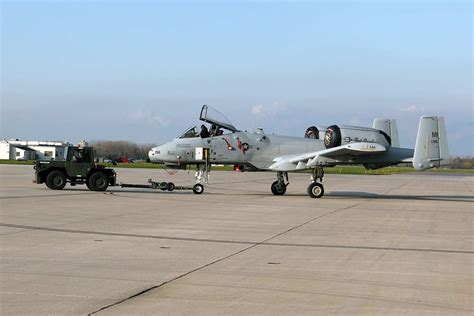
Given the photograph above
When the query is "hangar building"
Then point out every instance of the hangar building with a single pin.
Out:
(31, 150)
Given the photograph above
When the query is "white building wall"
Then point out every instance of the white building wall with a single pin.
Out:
(22, 154)
(5, 150)
(46, 150)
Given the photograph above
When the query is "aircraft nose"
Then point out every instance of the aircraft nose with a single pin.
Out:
(155, 154)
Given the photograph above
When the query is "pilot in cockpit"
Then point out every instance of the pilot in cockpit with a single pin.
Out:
(213, 130)
(204, 132)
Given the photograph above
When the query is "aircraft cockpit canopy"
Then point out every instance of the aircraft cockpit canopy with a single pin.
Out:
(212, 116)
(191, 132)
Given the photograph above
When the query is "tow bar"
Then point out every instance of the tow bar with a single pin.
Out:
(165, 186)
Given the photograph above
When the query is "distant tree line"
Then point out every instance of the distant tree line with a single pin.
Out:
(113, 149)
(462, 163)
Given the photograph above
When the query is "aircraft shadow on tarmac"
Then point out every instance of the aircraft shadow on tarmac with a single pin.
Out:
(367, 195)
(333, 194)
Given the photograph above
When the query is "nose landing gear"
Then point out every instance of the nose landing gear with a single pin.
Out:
(198, 188)
(202, 173)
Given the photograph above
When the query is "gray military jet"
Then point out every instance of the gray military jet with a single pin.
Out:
(374, 148)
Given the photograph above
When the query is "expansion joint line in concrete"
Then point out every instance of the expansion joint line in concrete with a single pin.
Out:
(223, 258)
(27, 228)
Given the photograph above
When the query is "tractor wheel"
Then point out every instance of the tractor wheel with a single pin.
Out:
(98, 181)
(56, 180)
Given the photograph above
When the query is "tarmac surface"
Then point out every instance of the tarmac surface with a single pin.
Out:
(398, 244)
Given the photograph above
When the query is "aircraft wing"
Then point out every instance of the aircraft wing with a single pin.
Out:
(313, 159)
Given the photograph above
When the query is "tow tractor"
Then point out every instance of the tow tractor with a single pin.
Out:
(79, 168)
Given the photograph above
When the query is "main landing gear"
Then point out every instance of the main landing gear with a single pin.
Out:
(279, 187)
(315, 189)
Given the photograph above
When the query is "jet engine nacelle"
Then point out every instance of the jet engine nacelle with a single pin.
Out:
(312, 132)
(315, 132)
(336, 135)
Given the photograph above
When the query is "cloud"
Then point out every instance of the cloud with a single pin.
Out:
(275, 109)
(279, 106)
(355, 120)
(258, 109)
(410, 109)
(150, 117)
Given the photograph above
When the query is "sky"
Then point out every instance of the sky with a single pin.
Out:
(141, 70)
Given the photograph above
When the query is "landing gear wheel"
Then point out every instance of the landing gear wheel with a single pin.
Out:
(315, 190)
(163, 186)
(198, 188)
(56, 180)
(278, 188)
(170, 186)
(98, 181)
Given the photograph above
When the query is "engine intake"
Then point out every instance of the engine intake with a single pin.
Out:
(332, 137)
(312, 132)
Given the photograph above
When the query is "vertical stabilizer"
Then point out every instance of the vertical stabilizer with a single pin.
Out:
(431, 149)
(389, 127)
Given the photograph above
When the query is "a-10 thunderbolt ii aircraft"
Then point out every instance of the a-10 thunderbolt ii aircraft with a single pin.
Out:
(373, 148)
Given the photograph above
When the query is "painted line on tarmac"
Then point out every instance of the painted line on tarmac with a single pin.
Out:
(239, 242)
